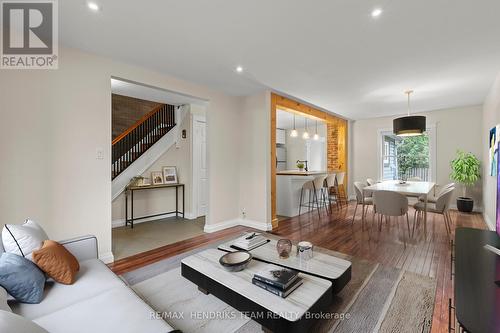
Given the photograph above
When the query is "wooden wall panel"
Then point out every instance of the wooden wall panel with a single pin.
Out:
(336, 140)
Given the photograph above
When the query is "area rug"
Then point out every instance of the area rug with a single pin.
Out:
(377, 299)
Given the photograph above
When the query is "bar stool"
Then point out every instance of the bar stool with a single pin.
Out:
(341, 188)
(331, 183)
(316, 194)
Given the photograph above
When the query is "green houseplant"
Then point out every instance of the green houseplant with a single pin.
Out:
(300, 165)
(465, 169)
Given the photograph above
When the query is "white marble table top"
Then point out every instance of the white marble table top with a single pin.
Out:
(291, 308)
(409, 188)
(321, 264)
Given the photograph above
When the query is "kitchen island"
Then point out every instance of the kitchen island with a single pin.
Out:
(288, 186)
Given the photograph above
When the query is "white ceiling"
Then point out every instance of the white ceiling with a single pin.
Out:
(331, 53)
(148, 93)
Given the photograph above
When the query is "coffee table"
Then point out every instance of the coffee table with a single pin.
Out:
(295, 313)
(323, 265)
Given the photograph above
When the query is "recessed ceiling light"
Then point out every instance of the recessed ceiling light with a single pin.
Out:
(376, 12)
(93, 6)
(239, 69)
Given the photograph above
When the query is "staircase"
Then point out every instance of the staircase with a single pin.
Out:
(137, 139)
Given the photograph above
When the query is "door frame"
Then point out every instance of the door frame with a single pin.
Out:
(195, 168)
(337, 155)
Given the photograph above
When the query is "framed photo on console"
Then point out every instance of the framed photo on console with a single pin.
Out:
(170, 175)
(157, 177)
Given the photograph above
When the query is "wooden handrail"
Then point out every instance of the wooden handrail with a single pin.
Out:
(137, 124)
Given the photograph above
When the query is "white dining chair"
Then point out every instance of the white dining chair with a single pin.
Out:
(433, 198)
(441, 206)
(414, 179)
(361, 200)
(391, 204)
(371, 181)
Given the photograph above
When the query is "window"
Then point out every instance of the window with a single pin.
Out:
(407, 157)
(389, 165)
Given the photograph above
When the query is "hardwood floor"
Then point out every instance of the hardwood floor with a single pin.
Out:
(430, 257)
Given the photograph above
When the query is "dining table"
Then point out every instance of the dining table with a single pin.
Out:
(420, 189)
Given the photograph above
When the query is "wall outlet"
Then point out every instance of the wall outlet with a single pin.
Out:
(243, 213)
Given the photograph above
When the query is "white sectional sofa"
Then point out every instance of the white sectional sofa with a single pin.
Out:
(97, 302)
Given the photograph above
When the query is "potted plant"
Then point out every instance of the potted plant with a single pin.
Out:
(465, 169)
(137, 181)
(300, 165)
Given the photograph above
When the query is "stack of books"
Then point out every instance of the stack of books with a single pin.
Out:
(250, 241)
(278, 280)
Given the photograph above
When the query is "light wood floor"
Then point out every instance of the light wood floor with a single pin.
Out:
(430, 256)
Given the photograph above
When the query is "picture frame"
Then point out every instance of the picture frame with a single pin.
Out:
(170, 175)
(494, 140)
(157, 178)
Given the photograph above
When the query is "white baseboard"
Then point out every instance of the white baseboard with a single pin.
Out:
(190, 216)
(234, 222)
(489, 222)
(121, 222)
(221, 225)
(256, 224)
(107, 257)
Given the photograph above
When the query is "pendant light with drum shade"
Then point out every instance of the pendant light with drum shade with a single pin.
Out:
(294, 133)
(409, 125)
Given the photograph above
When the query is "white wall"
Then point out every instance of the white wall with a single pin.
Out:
(255, 169)
(457, 128)
(491, 117)
(52, 121)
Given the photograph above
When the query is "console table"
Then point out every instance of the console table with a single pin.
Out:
(477, 297)
(129, 191)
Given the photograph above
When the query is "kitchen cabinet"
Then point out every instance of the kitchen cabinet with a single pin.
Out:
(280, 136)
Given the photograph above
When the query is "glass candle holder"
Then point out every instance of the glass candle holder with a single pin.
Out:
(284, 247)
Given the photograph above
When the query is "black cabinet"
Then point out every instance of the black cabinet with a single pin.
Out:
(477, 297)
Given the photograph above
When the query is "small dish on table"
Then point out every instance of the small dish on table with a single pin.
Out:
(235, 261)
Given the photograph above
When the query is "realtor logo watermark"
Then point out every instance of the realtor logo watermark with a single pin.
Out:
(29, 34)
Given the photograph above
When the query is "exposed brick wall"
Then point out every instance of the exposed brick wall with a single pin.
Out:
(332, 137)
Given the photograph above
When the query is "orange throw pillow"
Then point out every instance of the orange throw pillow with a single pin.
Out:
(57, 262)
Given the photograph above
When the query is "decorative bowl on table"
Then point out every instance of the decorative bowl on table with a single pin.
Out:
(235, 261)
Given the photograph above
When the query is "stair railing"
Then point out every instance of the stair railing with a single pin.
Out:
(138, 138)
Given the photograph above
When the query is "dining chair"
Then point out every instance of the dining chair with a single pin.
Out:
(361, 200)
(371, 181)
(316, 194)
(331, 183)
(388, 204)
(414, 179)
(433, 198)
(441, 206)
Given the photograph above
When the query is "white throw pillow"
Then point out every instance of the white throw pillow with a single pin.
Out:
(23, 239)
(3, 300)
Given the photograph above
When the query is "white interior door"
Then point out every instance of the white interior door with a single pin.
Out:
(200, 166)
